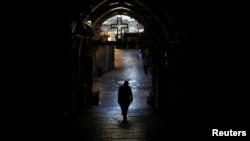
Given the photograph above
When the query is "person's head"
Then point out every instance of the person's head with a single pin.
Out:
(126, 82)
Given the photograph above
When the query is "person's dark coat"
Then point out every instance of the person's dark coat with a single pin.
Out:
(125, 95)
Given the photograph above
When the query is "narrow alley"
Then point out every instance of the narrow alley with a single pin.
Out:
(65, 62)
(104, 122)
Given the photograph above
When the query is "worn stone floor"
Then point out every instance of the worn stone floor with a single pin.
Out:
(103, 122)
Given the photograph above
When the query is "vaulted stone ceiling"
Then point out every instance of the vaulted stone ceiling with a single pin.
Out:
(150, 13)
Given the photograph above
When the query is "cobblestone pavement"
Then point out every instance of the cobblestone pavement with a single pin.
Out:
(104, 122)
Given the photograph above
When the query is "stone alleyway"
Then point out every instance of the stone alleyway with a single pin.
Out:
(104, 122)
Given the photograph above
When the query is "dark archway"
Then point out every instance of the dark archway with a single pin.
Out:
(162, 37)
(43, 60)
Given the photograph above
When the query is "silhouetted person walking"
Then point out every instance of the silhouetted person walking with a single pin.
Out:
(125, 98)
